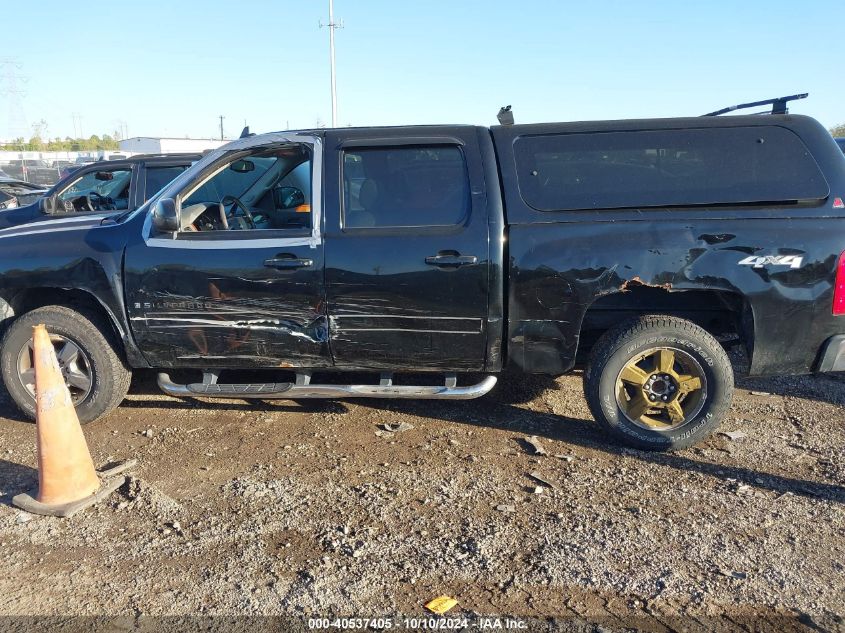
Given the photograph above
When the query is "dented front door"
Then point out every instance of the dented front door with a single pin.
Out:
(229, 303)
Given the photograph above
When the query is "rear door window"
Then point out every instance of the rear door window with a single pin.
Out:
(657, 168)
(158, 177)
(404, 186)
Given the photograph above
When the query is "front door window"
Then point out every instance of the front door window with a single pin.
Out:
(260, 190)
(101, 190)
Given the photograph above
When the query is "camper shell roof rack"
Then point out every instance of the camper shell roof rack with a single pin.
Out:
(778, 105)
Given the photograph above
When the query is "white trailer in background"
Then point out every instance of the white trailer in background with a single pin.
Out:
(163, 145)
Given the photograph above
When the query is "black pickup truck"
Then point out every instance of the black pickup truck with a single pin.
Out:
(636, 249)
(36, 171)
(104, 187)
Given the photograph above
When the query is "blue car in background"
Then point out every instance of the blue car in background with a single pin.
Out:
(105, 187)
(17, 193)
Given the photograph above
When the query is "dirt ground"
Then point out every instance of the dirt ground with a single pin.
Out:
(313, 509)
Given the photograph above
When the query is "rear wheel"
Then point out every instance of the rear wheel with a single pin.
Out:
(659, 382)
(95, 375)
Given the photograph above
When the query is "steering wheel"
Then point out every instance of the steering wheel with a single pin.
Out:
(237, 203)
(104, 202)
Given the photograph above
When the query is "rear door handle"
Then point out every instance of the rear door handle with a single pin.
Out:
(451, 259)
(287, 263)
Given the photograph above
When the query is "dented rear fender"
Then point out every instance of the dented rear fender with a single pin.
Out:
(782, 271)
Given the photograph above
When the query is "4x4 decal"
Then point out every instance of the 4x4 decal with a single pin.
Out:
(758, 261)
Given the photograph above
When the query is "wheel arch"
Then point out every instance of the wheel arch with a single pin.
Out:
(26, 300)
(727, 315)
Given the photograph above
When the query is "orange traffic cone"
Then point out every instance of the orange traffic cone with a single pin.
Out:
(67, 480)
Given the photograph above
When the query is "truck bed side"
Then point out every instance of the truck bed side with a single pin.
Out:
(764, 271)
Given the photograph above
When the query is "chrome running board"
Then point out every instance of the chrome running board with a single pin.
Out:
(294, 391)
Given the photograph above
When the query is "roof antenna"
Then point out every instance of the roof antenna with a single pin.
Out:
(245, 132)
(505, 116)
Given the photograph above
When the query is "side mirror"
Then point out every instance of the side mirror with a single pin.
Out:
(48, 205)
(288, 197)
(165, 218)
(242, 166)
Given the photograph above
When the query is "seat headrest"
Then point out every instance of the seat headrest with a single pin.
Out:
(369, 194)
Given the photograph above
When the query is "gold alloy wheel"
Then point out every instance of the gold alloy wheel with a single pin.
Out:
(661, 389)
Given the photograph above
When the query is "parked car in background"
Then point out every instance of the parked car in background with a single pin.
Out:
(103, 187)
(80, 162)
(17, 193)
(32, 170)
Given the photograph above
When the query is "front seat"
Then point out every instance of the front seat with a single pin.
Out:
(367, 199)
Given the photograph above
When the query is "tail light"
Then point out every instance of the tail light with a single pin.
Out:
(839, 288)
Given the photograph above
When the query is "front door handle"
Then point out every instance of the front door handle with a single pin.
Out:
(451, 259)
(283, 262)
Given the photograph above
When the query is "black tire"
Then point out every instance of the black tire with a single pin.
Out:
(109, 375)
(622, 345)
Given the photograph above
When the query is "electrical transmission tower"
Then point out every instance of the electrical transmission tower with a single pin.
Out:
(77, 124)
(10, 86)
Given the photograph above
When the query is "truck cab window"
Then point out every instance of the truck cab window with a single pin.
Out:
(101, 190)
(404, 186)
(265, 189)
(158, 177)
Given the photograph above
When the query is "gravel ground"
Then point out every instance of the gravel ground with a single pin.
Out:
(316, 509)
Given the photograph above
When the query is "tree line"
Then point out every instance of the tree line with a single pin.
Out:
(67, 144)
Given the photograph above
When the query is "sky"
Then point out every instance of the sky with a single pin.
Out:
(171, 68)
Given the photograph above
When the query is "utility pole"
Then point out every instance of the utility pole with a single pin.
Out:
(221, 126)
(332, 25)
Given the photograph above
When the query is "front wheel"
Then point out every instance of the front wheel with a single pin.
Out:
(659, 382)
(95, 375)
